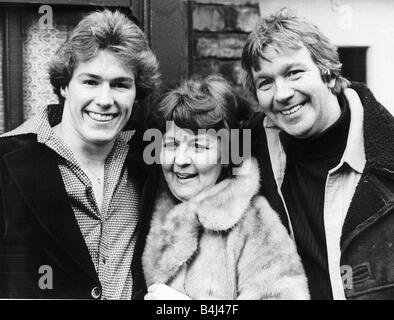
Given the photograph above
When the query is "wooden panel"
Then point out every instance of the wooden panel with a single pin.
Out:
(141, 10)
(2, 129)
(354, 63)
(12, 67)
(170, 38)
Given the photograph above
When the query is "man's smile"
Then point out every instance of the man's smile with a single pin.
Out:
(101, 117)
(293, 109)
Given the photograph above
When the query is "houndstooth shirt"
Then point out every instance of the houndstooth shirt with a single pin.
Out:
(110, 234)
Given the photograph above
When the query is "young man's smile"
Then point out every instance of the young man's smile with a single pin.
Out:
(101, 117)
(98, 99)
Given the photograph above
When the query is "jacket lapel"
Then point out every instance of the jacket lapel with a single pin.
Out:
(268, 186)
(35, 171)
(147, 182)
(379, 150)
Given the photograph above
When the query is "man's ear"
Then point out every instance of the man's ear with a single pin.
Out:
(331, 83)
(64, 92)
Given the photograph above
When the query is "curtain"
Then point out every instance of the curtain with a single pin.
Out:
(39, 44)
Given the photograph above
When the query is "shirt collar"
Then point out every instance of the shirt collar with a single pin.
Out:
(268, 123)
(37, 124)
(354, 154)
(41, 124)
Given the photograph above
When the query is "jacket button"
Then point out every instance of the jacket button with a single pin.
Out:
(96, 293)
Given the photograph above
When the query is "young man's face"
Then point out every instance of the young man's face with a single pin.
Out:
(292, 94)
(98, 99)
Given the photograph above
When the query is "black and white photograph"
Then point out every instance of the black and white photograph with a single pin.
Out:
(181, 152)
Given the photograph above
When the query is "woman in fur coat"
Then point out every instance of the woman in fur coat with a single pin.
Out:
(212, 236)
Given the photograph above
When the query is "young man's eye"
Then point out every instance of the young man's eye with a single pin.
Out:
(121, 85)
(90, 82)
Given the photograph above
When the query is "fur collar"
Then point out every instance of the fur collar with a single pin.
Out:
(378, 130)
(175, 227)
(220, 207)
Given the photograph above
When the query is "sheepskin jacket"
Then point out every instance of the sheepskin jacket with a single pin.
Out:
(367, 250)
(225, 243)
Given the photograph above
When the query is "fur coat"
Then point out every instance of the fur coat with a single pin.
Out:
(225, 243)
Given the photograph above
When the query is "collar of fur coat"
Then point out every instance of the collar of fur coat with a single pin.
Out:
(173, 237)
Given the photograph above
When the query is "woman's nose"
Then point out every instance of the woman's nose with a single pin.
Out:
(182, 157)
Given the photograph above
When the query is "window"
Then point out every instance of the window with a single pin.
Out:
(354, 63)
(26, 46)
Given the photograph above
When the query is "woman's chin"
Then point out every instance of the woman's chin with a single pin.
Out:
(184, 195)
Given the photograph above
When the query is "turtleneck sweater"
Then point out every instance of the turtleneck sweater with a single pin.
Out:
(303, 188)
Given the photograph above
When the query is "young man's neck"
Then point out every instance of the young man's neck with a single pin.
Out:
(83, 150)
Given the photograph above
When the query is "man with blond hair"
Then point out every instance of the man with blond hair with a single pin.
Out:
(326, 153)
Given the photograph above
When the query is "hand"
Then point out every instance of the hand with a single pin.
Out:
(160, 291)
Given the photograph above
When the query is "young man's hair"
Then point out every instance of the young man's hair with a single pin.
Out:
(283, 31)
(111, 31)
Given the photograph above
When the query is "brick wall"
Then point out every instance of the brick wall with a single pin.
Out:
(219, 33)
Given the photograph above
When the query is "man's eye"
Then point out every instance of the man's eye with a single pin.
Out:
(90, 82)
(264, 84)
(121, 85)
(295, 74)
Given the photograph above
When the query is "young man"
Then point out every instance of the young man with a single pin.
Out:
(326, 152)
(70, 183)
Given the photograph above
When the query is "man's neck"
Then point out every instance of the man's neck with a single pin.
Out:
(87, 152)
(336, 109)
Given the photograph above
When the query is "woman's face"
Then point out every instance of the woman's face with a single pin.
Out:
(190, 162)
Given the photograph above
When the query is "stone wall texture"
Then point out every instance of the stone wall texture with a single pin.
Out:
(219, 34)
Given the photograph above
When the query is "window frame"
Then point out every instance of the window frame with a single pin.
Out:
(359, 54)
(100, 3)
(12, 14)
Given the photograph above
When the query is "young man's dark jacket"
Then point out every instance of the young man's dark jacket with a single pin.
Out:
(38, 227)
(367, 240)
